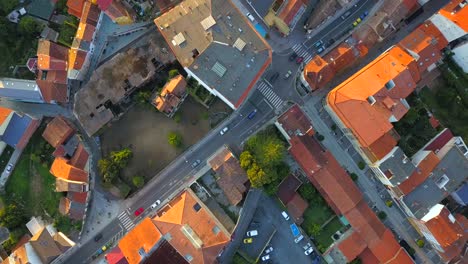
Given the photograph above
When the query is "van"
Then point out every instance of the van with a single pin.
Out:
(285, 215)
(251, 18)
(252, 233)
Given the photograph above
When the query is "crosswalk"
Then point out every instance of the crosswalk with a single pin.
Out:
(302, 51)
(126, 221)
(271, 96)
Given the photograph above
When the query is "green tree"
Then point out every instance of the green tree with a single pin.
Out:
(108, 170)
(143, 97)
(177, 117)
(6, 6)
(382, 215)
(138, 181)
(12, 215)
(420, 243)
(353, 176)
(257, 176)
(307, 191)
(314, 229)
(173, 73)
(361, 165)
(174, 139)
(121, 158)
(28, 25)
(246, 160)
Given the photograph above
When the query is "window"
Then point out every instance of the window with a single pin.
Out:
(141, 252)
(389, 85)
(196, 207)
(442, 181)
(188, 257)
(371, 100)
(215, 230)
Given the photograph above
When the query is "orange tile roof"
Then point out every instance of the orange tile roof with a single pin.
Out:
(341, 57)
(61, 169)
(4, 113)
(143, 236)
(171, 94)
(318, 73)
(75, 7)
(57, 131)
(349, 100)
(194, 233)
(424, 169)
(444, 231)
(456, 14)
(289, 11)
(294, 120)
(76, 59)
(308, 153)
(352, 246)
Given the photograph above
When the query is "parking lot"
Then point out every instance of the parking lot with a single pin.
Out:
(276, 232)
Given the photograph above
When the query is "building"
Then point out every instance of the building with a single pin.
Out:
(41, 9)
(217, 46)
(52, 60)
(460, 56)
(280, 14)
(82, 47)
(42, 248)
(117, 11)
(20, 90)
(452, 20)
(191, 229)
(75, 7)
(367, 239)
(57, 131)
(231, 178)
(171, 97)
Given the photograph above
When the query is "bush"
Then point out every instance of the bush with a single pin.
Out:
(320, 137)
(173, 73)
(420, 243)
(389, 203)
(174, 139)
(361, 165)
(138, 181)
(354, 176)
(177, 117)
(307, 191)
(382, 215)
(333, 127)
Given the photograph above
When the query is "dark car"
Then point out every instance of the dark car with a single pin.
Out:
(299, 60)
(139, 211)
(196, 163)
(98, 237)
(252, 114)
(292, 57)
(274, 77)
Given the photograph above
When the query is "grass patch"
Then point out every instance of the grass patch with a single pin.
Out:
(239, 259)
(5, 157)
(67, 31)
(324, 239)
(317, 214)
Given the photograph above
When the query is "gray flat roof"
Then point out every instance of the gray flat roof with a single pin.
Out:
(400, 166)
(229, 42)
(454, 167)
(261, 6)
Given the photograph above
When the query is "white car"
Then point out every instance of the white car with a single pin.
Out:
(308, 251)
(224, 130)
(285, 215)
(252, 233)
(266, 257)
(269, 250)
(298, 239)
(158, 202)
(9, 167)
(251, 18)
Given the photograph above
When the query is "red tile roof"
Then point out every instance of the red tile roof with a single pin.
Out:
(53, 85)
(308, 153)
(115, 256)
(57, 131)
(288, 187)
(194, 230)
(61, 169)
(352, 246)
(75, 7)
(291, 9)
(51, 56)
(78, 197)
(296, 208)
(59, 151)
(80, 157)
(295, 122)
(104, 4)
(439, 141)
(318, 73)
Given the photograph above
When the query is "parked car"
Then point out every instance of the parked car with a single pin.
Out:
(98, 237)
(196, 163)
(306, 246)
(293, 56)
(266, 257)
(288, 74)
(223, 131)
(318, 43)
(248, 240)
(274, 77)
(252, 114)
(158, 202)
(269, 250)
(252, 233)
(364, 15)
(9, 168)
(320, 50)
(285, 215)
(299, 60)
(298, 239)
(251, 18)
(345, 15)
(308, 251)
(139, 211)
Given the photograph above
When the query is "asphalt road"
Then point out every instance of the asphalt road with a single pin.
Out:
(179, 174)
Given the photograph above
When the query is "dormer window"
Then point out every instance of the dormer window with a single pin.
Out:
(389, 85)
(442, 181)
(371, 100)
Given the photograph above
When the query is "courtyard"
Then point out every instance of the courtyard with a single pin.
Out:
(145, 131)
